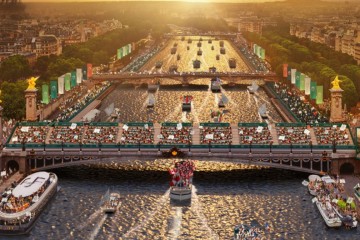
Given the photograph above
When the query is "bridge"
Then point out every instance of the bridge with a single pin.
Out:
(184, 77)
(223, 35)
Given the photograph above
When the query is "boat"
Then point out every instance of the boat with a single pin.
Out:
(232, 63)
(199, 52)
(196, 63)
(31, 196)
(173, 68)
(151, 101)
(253, 88)
(217, 57)
(223, 101)
(357, 191)
(178, 57)
(215, 84)
(181, 180)
(222, 50)
(328, 213)
(173, 50)
(348, 220)
(186, 103)
(263, 111)
(242, 232)
(187, 48)
(111, 202)
(209, 41)
(314, 183)
(212, 48)
(221, 43)
(199, 44)
(158, 64)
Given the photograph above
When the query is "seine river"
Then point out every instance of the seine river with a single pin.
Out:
(224, 195)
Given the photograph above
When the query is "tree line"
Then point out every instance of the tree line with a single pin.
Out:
(318, 61)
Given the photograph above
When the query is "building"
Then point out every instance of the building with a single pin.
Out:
(46, 45)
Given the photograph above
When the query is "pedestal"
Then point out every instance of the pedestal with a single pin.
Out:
(1, 126)
(30, 97)
(336, 111)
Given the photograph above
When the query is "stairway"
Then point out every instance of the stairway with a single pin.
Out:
(235, 134)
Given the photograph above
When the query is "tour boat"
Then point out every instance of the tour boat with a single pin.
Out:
(217, 57)
(215, 84)
(314, 181)
(222, 50)
(186, 103)
(199, 52)
(151, 101)
(181, 181)
(242, 232)
(253, 88)
(212, 48)
(178, 57)
(111, 202)
(158, 64)
(232, 63)
(348, 220)
(328, 213)
(22, 205)
(357, 191)
(224, 100)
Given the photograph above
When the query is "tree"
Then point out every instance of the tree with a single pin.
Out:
(13, 99)
(14, 68)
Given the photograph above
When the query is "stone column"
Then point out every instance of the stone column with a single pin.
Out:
(1, 126)
(31, 108)
(336, 111)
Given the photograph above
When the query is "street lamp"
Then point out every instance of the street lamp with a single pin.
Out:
(119, 145)
(271, 143)
(311, 147)
(230, 147)
(334, 146)
(291, 147)
(99, 146)
(139, 145)
(250, 146)
(209, 147)
(44, 145)
(62, 145)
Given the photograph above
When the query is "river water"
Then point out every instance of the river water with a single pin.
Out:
(223, 195)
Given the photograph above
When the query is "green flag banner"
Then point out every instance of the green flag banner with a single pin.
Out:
(118, 54)
(313, 90)
(45, 93)
(302, 82)
(73, 79)
(53, 89)
(319, 94)
(297, 79)
(262, 53)
(67, 81)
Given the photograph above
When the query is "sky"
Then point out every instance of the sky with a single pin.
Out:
(205, 1)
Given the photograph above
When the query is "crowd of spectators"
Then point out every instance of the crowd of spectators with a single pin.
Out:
(215, 135)
(172, 135)
(70, 111)
(138, 134)
(293, 135)
(256, 135)
(331, 135)
(141, 60)
(7, 129)
(66, 134)
(29, 134)
(303, 110)
(103, 134)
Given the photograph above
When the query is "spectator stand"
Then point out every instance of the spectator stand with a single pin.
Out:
(333, 133)
(255, 134)
(135, 133)
(293, 134)
(175, 133)
(67, 134)
(104, 133)
(215, 133)
(28, 134)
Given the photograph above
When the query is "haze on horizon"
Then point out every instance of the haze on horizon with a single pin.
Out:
(187, 1)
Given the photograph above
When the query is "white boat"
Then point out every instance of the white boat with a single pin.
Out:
(328, 213)
(263, 111)
(253, 88)
(181, 184)
(111, 202)
(314, 181)
(224, 100)
(180, 193)
(357, 191)
(348, 220)
(151, 101)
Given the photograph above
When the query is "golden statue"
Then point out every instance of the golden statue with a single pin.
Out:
(32, 83)
(335, 84)
(0, 95)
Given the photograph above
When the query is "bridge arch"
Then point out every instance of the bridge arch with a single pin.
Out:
(13, 165)
(347, 168)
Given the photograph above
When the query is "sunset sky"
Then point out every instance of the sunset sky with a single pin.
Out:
(232, 1)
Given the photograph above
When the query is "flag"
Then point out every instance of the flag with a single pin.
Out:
(119, 53)
(302, 82)
(84, 72)
(307, 85)
(297, 79)
(67, 81)
(289, 73)
(79, 75)
(53, 89)
(89, 70)
(313, 90)
(73, 79)
(61, 83)
(133, 46)
(45, 93)
(129, 47)
(285, 70)
(262, 53)
(319, 94)
(293, 71)
(255, 48)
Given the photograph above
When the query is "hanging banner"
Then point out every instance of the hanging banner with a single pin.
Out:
(118, 54)
(297, 79)
(45, 93)
(124, 49)
(84, 72)
(67, 81)
(255, 48)
(302, 82)
(89, 70)
(73, 79)
(79, 75)
(293, 71)
(319, 95)
(53, 89)
(289, 73)
(133, 46)
(313, 90)
(258, 51)
(129, 47)
(307, 85)
(61, 84)
(285, 70)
